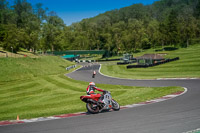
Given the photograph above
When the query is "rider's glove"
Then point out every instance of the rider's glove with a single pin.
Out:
(104, 92)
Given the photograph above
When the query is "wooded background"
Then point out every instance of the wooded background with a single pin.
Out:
(164, 23)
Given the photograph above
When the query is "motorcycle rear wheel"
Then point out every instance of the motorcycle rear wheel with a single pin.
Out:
(115, 105)
(92, 108)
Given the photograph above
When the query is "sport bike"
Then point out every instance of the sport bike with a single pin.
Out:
(94, 106)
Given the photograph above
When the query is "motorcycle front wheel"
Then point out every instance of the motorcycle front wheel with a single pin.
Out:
(92, 108)
(115, 105)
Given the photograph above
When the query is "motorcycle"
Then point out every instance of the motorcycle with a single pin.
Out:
(94, 106)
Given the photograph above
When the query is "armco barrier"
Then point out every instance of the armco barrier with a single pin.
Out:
(122, 63)
(87, 61)
(151, 65)
(70, 67)
(108, 60)
(125, 63)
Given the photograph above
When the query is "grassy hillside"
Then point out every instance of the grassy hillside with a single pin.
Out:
(187, 67)
(24, 68)
(36, 87)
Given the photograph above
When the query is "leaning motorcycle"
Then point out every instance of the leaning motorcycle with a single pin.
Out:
(93, 106)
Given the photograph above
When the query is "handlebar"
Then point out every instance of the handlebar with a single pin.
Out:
(104, 92)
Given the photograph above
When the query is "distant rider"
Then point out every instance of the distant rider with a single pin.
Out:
(93, 75)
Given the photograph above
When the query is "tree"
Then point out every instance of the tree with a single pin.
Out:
(14, 38)
(197, 9)
(40, 12)
(172, 27)
(23, 10)
(2, 34)
(137, 31)
(3, 10)
(51, 32)
(153, 32)
(162, 39)
(68, 38)
(116, 33)
(187, 26)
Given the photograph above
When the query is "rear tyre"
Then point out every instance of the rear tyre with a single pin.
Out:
(92, 108)
(115, 105)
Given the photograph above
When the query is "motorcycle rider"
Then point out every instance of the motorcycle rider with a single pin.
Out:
(91, 88)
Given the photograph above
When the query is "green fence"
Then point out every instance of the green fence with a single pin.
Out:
(77, 52)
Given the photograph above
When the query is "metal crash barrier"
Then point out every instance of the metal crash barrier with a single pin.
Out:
(70, 67)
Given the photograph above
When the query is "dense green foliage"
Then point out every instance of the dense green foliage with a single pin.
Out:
(186, 67)
(165, 22)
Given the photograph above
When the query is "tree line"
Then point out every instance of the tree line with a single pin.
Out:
(30, 27)
(164, 23)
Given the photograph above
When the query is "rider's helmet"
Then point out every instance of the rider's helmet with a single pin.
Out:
(92, 83)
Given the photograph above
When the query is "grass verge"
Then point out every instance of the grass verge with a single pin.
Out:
(187, 67)
(57, 94)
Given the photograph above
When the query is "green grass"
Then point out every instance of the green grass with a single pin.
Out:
(37, 87)
(187, 67)
(23, 68)
(19, 54)
(57, 94)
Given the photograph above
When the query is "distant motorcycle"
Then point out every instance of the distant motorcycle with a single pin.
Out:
(93, 75)
(93, 106)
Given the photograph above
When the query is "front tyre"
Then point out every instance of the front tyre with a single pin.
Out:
(92, 108)
(115, 105)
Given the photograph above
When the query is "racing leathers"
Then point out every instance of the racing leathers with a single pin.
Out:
(91, 89)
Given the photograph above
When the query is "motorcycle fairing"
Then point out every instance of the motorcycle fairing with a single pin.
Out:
(108, 101)
(94, 97)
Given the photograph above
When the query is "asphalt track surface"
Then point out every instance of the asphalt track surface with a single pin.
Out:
(177, 115)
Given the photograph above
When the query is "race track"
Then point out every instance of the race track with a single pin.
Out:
(177, 115)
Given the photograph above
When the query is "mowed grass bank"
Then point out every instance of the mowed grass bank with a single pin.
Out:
(23, 68)
(187, 67)
(38, 88)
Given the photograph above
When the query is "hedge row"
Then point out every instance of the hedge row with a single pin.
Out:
(108, 60)
(151, 65)
(122, 63)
